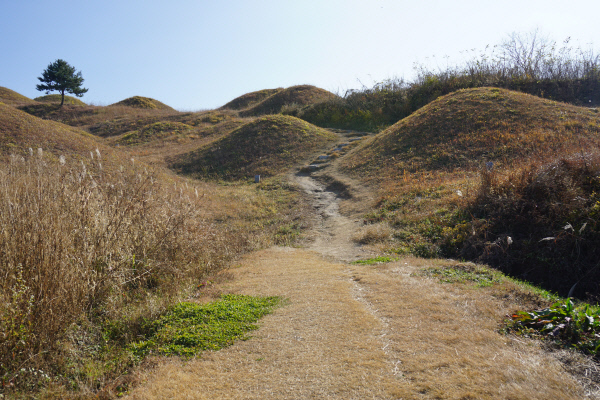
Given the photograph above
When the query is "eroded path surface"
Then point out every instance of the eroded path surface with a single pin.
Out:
(333, 231)
(362, 332)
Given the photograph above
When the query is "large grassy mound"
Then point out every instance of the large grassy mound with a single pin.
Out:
(467, 128)
(143, 102)
(266, 146)
(13, 98)
(20, 132)
(295, 96)
(156, 131)
(250, 99)
(55, 98)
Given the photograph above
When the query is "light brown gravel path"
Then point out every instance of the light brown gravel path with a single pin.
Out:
(354, 332)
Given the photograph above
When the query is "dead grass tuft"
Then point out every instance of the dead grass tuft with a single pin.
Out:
(375, 233)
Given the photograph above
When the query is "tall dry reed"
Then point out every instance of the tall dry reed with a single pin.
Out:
(79, 242)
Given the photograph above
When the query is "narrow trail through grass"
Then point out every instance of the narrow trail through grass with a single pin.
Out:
(356, 331)
(352, 332)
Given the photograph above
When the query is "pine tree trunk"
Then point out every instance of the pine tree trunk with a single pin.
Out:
(62, 98)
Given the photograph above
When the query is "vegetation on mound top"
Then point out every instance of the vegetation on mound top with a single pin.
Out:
(56, 98)
(20, 131)
(249, 99)
(266, 146)
(155, 131)
(529, 64)
(142, 102)
(469, 127)
(289, 100)
(13, 98)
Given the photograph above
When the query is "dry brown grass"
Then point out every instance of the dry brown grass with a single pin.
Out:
(12, 98)
(265, 146)
(292, 97)
(249, 99)
(143, 102)
(78, 242)
(465, 129)
(354, 332)
(56, 98)
(88, 253)
(457, 352)
(375, 233)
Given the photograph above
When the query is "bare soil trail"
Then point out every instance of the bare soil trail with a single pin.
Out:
(350, 331)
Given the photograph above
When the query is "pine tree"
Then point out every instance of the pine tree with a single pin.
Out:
(61, 77)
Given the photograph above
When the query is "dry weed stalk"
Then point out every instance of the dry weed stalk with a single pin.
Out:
(76, 242)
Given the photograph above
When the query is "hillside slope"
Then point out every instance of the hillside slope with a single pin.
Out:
(12, 98)
(249, 99)
(20, 132)
(300, 95)
(143, 102)
(265, 146)
(55, 98)
(467, 128)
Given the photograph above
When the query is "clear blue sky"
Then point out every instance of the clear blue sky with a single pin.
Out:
(201, 54)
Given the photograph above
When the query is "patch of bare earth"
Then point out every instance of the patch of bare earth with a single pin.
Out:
(349, 331)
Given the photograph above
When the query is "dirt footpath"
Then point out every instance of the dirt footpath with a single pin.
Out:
(362, 332)
(356, 332)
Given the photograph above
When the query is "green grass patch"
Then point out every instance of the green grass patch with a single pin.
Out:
(189, 328)
(465, 273)
(375, 260)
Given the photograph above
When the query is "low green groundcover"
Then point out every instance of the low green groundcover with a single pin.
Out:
(189, 328)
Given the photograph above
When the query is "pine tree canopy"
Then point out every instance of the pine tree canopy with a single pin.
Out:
(61, 77)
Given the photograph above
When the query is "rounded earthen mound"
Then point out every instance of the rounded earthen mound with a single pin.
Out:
(266, 146)
(290, 98)
(249, 99)
(470, 127)
(142, 102)
(12, 98)
(55, 98)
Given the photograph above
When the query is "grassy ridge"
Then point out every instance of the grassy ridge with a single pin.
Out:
(467, 128)
(529, 64)
(143, 102)
(266, 146)
(288, 100)
(13, 98)
(55, 98)
(542, 180)
(20, 131)
(249, 99)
